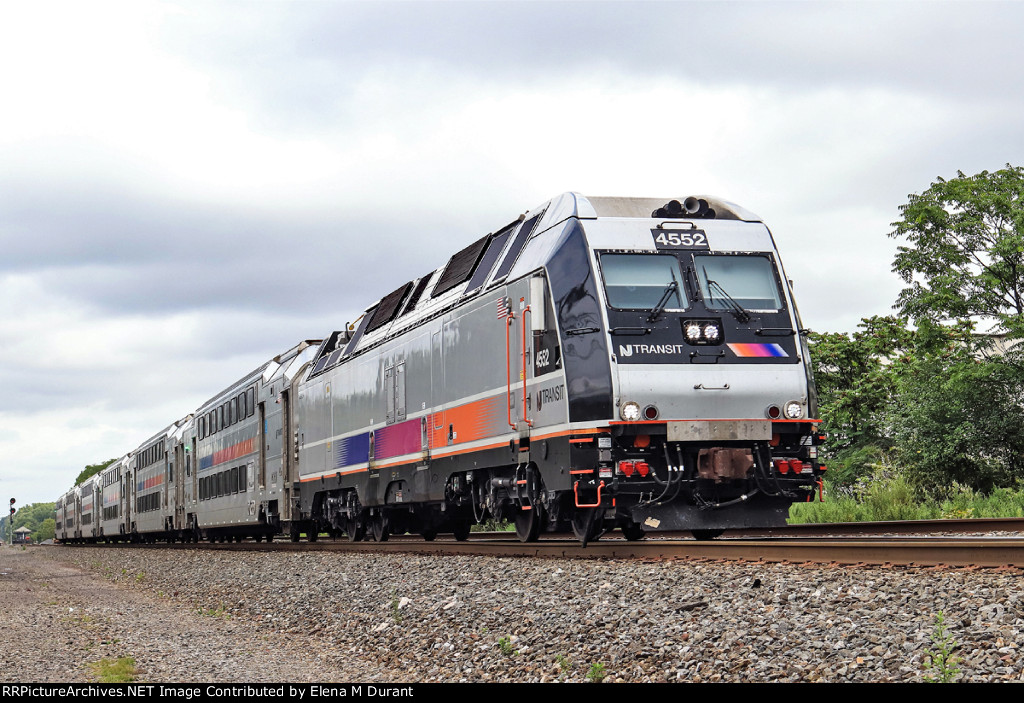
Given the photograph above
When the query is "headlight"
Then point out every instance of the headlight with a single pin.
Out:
(693, 332)
(630, 411)
(794, 411)
(711, 332)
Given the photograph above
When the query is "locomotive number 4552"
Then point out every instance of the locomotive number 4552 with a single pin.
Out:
(680, 239)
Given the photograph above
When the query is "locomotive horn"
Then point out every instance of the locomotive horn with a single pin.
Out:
(670, 209)
(693, 206)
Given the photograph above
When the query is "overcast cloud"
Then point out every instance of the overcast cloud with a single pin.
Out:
(188, 188)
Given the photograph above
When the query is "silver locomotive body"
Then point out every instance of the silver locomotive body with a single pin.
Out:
(597, 363)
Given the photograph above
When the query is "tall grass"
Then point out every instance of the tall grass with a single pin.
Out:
(885, 496)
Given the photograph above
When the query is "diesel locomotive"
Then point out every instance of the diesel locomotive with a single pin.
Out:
(596, 364)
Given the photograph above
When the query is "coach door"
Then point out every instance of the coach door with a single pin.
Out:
(128, 496)
(262, 434)
(179, 485)
(192, 467)
(288, 454)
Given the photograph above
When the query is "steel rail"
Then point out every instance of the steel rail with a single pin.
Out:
(902, 527)
(919, 552)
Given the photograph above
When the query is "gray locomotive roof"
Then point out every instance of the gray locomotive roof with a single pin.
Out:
(548, 214)
(643, 207)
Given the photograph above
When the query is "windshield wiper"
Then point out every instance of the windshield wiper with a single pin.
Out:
(659, 307)
(735, 308)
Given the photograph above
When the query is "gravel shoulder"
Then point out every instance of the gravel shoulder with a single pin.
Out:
(61, 618)
(202, 616)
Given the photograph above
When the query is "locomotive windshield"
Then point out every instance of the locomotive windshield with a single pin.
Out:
(643, 281)
(747, 281)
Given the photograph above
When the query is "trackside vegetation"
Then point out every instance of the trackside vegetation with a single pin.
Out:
(38, 517)
(924, 409)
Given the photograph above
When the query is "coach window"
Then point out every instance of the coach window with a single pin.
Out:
(251, 400)
(641, 281)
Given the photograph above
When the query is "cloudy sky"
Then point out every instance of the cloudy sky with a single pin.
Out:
(189, 188)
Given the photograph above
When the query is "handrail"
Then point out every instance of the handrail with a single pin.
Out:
(527, 420)
(508, 368)
(576, 496)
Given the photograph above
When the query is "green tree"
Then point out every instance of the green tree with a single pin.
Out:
(856, 378)
(93, 469)
(959, 419)
(47, 530)
(34, 517)
(964, 251)
(868, 382)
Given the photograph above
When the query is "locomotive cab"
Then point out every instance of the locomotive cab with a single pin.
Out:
(713, 425)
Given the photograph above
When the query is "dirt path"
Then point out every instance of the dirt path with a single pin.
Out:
(58, 620)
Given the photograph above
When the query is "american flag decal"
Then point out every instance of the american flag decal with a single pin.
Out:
(503, 309)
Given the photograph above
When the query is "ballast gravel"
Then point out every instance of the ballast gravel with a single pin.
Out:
(209, 616)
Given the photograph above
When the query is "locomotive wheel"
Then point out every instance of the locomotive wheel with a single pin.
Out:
(429, 534)
(704, 535)
(632, 531)
(528, 523)
(381, 528)
(586, 525)
(460, 530)
(355, 529)
(293, 532)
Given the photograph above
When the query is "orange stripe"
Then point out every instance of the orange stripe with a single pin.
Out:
(717, 419)
(564, 433)
(335, 473)
(473, 449)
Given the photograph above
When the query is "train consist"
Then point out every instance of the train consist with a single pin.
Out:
(598, 363)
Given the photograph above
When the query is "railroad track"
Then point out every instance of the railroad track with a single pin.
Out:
(909, 543)
(900, 527)
(918, 551)
(791, 544)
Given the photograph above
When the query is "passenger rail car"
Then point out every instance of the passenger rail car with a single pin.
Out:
(242, 482)
(115, 512)
(598, 363)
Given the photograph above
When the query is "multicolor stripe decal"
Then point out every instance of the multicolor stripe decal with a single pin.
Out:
(246, 446)
(151, 482)
(396, 440)
(352, 450)
(757, 350)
